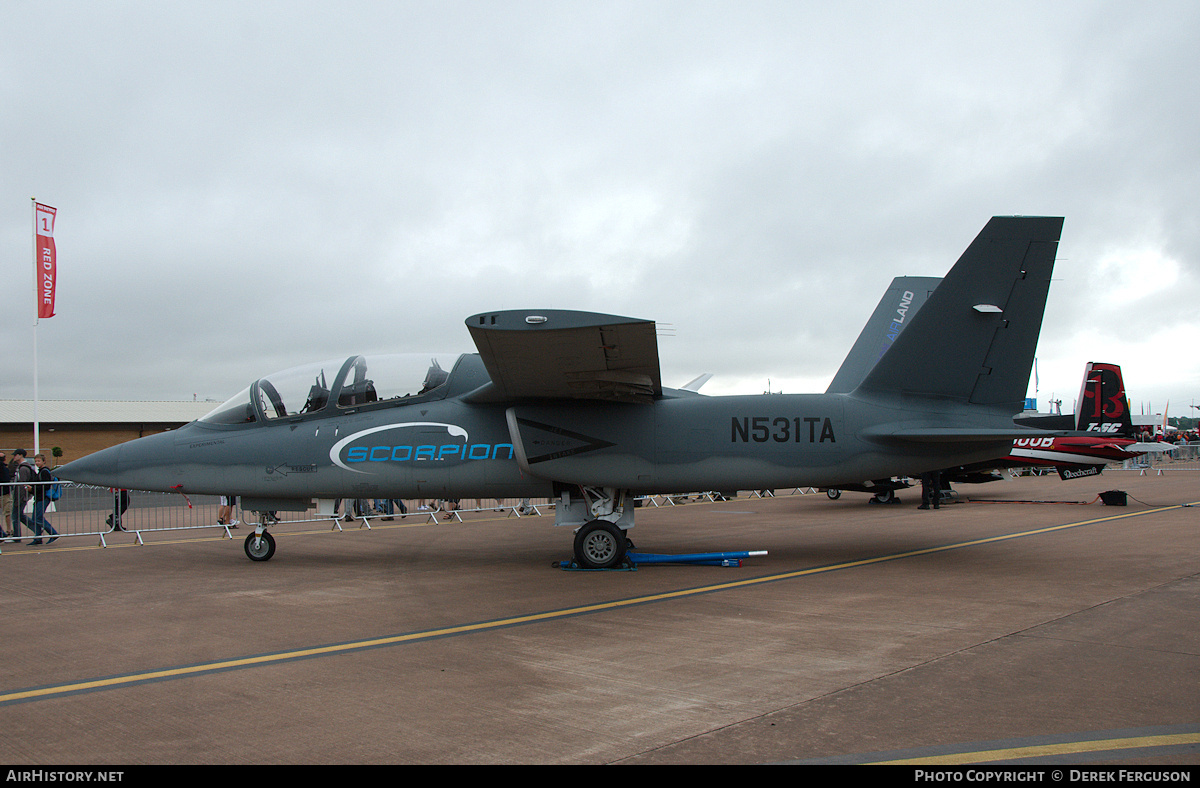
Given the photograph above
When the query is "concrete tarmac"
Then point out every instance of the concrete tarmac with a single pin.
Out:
(1036, 625)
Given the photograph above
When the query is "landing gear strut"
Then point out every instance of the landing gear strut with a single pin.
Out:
(601, 517)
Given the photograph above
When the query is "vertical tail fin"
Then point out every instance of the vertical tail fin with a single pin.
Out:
(975, 338)
(1103, 406)
(895, 311)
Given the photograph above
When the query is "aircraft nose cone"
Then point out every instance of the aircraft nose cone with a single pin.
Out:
(146, 463)
(101, 468)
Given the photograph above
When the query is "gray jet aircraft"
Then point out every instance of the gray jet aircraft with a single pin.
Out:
(570, 406)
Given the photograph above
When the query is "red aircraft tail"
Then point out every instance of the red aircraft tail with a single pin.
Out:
(1103, 406)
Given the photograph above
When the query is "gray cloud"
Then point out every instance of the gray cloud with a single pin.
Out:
(247, 187)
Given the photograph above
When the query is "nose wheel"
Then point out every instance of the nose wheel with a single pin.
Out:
(259, 546)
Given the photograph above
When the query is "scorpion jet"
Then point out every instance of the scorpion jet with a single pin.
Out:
(570, 406)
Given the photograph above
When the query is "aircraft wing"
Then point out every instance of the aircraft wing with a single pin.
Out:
(561, 354)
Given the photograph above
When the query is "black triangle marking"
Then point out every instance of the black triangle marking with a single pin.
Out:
(587, 442)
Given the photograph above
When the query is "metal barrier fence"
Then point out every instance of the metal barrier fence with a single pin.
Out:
(1186, 451)
(1185, 457)
(85, 510)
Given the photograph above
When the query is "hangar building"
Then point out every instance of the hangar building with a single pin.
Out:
(80, 427)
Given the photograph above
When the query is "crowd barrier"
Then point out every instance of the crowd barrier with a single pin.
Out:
(85, 510)
(1185, 457)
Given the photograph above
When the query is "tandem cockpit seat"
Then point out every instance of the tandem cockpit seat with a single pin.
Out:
(352, 383)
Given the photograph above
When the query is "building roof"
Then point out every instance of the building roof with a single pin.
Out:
(18, 411)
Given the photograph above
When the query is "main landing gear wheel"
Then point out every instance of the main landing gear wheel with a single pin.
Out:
(599, 545)
(260, 547)
(833, 493)
(888, 496)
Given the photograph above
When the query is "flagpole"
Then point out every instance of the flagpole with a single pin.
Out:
(36, 430)
(45, 281)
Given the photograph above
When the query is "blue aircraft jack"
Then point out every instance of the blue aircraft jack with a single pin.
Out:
(572, 566)
(633, 560)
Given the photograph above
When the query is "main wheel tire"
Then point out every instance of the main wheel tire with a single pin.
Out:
(599, 545)
(833, 493)
(259, 548)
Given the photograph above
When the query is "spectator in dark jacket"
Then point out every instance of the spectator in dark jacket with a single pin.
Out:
(41, 499)
(5, 496)
(22, 474)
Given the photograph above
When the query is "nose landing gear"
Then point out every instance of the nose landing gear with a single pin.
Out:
(259, 544)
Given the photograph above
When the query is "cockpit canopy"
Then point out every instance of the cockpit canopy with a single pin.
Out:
(337, 384)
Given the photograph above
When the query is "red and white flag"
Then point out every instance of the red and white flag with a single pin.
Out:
(47, 273)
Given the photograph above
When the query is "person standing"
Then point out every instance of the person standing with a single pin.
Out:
(120, 504)
(5, 496)
(225, 512)
(41, 499)
(22, 475)
(931, 490)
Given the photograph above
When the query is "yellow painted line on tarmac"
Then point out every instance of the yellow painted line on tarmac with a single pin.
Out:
(1048, 750)
(339, 648)
(284, 656)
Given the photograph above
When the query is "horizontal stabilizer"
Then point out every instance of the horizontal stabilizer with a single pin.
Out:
(948, 434)
(1145, 447)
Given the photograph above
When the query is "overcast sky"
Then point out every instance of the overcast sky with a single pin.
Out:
(244, 187)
